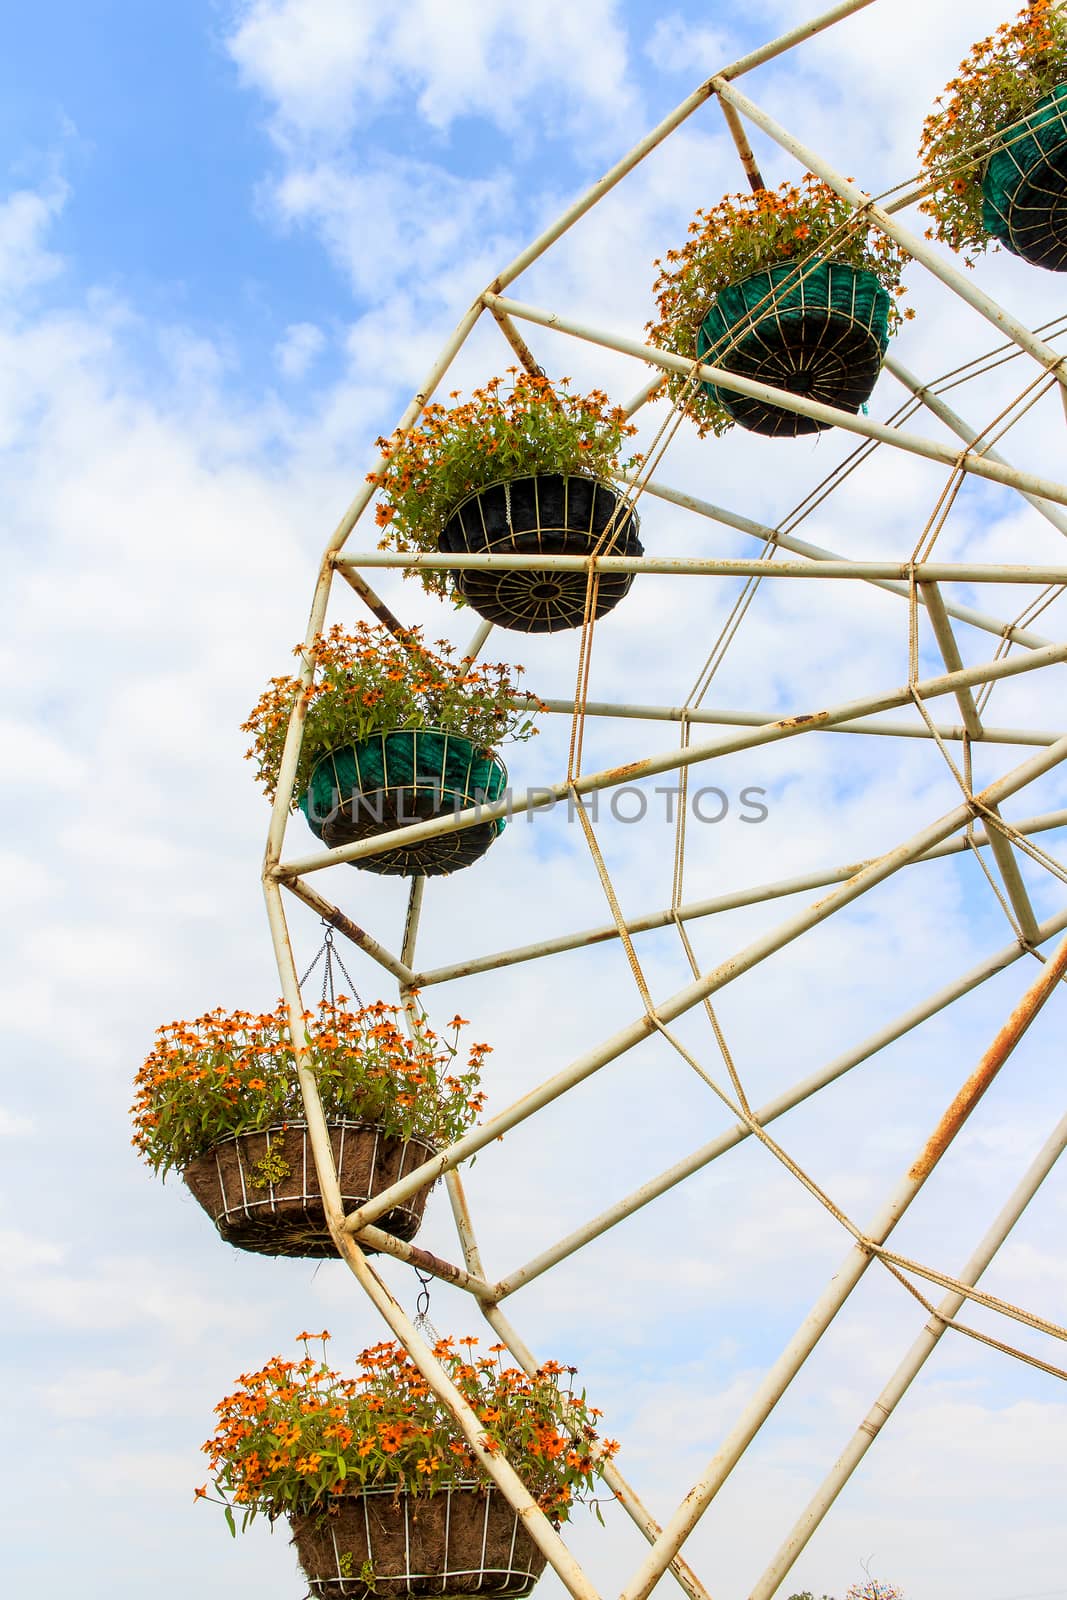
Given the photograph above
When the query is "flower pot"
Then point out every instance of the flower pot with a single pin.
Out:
(1024, 186)
(262, 1192)
(394, 779)
(465, 1539)
(817, 331)
(543, 515)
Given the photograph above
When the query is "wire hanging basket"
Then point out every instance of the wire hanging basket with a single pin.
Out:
(464, 1539)
(392, 780)
(262, 1192)
(1024, 186)
(548, 514)
(819, 331)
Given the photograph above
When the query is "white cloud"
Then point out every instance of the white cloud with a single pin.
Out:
(327, 70)
(675, 45)
(39, 758)
(25, 217)
(298, 348)
(13, 1125)
(328, 66)
(315, 58)
(395, 222)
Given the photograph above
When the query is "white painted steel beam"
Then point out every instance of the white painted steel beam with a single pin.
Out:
(912, 243)
(934, 403)
(490, 1461)
(723, 717)
(803, 1090)
(520, 1350)
(934, 841)
(915, 444)
(709, 566)
(999, 844)
(911, 1366)
(707, 984)
(757, 895)
(673, 760)
(351, 930)
(788, 541)
(754, 58)
(844, 1281)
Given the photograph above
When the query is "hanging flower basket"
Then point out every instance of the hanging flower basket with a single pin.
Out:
(465, 1539)
(262, 1192)
(788, 287)
(519, 471)
(818, 331)
(1024, 187)
(548, 514)
(218, 1100)
(995, 146)
(382, 1489)
(395, 733)
(394, 779)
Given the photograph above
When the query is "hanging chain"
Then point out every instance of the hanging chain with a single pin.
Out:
(328, 955)
(423, 1324)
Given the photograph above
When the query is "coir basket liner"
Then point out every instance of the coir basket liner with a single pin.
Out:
(394, 779)
(463, 1540)
(551, 515)
(262, 1192)
(1024, 187)
(820, 331)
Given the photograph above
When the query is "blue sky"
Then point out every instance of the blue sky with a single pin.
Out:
(232, 239)
(167, 153)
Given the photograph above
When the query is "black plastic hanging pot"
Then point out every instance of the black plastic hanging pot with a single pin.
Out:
(549, 514)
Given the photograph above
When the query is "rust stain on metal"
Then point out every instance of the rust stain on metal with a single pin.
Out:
(963, 1104)
(839, 888)
(630, 770)
(990, 1065)
(431, 1263)
(369, 598)
(350, 929)
(802, 721)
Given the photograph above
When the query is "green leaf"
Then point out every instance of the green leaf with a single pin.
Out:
(230, 1522)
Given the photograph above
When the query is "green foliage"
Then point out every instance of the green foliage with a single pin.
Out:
(998, 83)
(295, 1434)
(532, 427)
(370, 681)
(230, 1073)
(747, 233)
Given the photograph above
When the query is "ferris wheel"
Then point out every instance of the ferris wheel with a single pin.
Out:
(553, 560)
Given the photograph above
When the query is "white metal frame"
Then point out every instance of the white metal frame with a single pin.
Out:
(737, 729)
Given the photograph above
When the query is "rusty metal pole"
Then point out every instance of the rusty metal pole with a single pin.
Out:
(844, 1281)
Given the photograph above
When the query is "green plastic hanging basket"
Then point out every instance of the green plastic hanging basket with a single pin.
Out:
(817, 331)
(1024, 187)
(392, 780)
